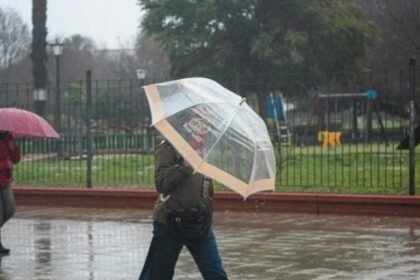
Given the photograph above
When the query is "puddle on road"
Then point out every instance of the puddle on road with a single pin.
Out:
(317, 247)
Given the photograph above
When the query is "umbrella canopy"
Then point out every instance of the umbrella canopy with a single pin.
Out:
(22, 123)
(216, 132)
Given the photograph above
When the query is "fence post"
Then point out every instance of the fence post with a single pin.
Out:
(412, 144)
(88, 129)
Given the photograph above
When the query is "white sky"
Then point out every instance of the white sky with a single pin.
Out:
(110, 23)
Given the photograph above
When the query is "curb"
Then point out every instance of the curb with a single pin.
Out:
(312, 203)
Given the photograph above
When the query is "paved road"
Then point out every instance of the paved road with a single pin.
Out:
(76, 243)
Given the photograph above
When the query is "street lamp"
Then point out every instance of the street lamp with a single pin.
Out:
(141, 73)
(57, 50)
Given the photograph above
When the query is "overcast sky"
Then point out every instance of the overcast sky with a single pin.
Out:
(111, 23)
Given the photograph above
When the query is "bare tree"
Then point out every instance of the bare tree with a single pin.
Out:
(78, 57)
(80, 54)
(14, 38)
(399, 25)
(146, 54)
(152, 57)
(403, 19)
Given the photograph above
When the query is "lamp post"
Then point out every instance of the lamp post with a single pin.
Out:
(141, 74)
(57, 50)
(40, 98)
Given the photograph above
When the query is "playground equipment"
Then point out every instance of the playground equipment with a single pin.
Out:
(320, 109)
(329, 138)
(276, 111)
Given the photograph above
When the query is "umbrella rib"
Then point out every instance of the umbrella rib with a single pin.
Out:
(254, 163)
(226, 125)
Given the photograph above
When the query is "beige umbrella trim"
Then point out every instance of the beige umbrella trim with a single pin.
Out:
(209, 170)
(152, 94)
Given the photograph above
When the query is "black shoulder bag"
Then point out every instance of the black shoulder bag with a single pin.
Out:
(190, 224)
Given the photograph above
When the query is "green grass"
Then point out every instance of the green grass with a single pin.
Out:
(108, 171)
(376, 169)
(373, 169)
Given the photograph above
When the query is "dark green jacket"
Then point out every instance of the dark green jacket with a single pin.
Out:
(185, 188)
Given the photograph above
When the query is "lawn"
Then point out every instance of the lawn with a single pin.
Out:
(376, 169)
(107, 171)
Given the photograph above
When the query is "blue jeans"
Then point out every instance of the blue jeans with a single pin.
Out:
(165, 249)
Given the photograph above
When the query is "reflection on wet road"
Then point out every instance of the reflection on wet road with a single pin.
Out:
(71, 243)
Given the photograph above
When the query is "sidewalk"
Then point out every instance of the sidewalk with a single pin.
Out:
(87, 243)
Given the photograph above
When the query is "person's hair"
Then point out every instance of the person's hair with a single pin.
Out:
(3, 134)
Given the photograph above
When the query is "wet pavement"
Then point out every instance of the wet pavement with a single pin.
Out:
(84, 243)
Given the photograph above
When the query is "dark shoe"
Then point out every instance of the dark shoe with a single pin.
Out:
(4, 251)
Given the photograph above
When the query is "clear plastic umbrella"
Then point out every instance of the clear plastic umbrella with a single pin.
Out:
(216, 132)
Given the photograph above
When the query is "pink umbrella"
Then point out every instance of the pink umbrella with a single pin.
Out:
(23, 123)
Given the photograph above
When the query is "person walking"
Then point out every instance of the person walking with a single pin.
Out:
(182, 216)
(9, 155)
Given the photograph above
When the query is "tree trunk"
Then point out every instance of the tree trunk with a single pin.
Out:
(39, 53)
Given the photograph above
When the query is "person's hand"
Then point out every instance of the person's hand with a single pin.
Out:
(185, 163)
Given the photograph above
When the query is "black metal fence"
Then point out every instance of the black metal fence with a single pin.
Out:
(350, 138)
(119, 133)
